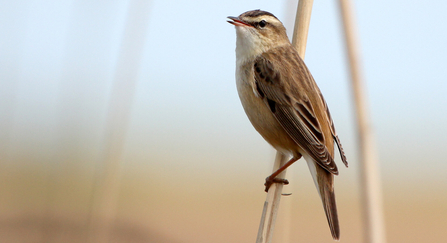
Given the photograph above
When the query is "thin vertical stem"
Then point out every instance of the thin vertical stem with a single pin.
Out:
(105, 198)
(301, 29)
(369, 172)
(271, 205)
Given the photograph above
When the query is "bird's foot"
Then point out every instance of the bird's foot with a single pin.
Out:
(269, 181)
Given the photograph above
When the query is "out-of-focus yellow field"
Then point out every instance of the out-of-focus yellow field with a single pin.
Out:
(38, 206)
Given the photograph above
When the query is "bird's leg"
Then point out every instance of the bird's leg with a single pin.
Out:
(272, 178)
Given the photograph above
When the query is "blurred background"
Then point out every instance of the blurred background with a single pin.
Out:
(120, 122)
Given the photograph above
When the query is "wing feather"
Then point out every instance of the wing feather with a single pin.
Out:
(295, 111)
(334, 133)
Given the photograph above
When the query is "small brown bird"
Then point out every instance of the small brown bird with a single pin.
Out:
(284, 104)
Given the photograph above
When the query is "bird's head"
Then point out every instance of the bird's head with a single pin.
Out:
(258, 31)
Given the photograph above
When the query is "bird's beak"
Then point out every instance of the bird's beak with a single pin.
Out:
(237, 22)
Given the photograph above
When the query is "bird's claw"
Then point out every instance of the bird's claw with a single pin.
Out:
(269, 181)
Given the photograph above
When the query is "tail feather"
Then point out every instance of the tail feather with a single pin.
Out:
(324, 181)
(330, 208)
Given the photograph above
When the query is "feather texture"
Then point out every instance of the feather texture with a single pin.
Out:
(295, 101)
(284, 104)
(292, 95)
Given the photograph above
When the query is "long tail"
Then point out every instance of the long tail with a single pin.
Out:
(324, 181)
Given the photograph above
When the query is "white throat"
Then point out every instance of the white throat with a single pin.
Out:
(248, 44)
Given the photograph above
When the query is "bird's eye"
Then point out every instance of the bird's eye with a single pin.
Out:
(262, 23)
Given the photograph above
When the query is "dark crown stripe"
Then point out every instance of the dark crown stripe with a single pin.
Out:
(256, 13)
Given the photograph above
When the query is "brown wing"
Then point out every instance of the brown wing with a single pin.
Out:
(334, 133)
(291, 98)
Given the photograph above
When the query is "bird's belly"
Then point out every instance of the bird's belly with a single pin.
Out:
(263, 120)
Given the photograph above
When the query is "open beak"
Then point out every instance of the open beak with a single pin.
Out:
(237, 22)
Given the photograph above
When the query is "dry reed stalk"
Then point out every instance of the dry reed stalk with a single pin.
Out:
(108, 178)
(271, 204)
(371, 195)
